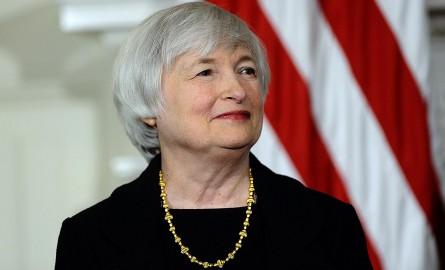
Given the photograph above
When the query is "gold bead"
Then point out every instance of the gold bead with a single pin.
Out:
(168, 216)
(184, 249)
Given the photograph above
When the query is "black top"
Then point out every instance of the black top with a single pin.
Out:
(211, 234)
(297, 228)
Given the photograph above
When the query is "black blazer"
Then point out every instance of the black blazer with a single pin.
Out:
(306, 229)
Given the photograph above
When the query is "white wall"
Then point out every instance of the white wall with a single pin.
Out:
(48, 167)
(58, 131)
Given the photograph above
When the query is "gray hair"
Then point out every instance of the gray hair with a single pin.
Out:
(154, 46)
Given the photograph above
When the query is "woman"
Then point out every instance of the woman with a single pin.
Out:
(190, 85)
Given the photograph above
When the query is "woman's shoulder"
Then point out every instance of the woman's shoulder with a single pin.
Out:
(136, 196)
(291, 191)
(127, 200)
(124, 220)
(323, 229)
(130, 209)
(295, 189)
(299, 201)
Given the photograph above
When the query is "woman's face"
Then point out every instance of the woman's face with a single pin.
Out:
(211, 102)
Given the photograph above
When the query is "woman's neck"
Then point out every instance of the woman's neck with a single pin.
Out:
(206, 181)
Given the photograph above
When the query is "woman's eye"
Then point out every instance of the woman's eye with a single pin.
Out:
(248, 71)
(204, 73)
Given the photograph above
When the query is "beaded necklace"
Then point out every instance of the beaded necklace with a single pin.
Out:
(184, 249)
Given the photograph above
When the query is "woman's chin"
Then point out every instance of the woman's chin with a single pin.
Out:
(238, 144)
(236, 138)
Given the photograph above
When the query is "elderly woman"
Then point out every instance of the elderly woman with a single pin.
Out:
(190, 85)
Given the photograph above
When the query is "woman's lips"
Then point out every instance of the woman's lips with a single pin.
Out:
(234, 115)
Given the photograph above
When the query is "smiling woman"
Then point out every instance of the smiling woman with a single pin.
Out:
(212, 105)
(190, 85)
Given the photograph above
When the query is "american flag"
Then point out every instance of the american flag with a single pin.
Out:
(347, 114)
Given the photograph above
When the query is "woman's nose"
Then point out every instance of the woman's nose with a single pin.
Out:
(233, 89)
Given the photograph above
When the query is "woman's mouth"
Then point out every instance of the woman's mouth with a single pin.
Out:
(234, 115)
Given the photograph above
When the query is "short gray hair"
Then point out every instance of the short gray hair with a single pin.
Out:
(154, 46)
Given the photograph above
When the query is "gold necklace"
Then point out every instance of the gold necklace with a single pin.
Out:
(184, 249)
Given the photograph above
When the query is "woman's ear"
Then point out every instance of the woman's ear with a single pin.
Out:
(150, 121)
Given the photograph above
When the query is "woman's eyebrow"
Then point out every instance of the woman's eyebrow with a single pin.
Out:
(204, 60)
(245, 58)
(208, 60)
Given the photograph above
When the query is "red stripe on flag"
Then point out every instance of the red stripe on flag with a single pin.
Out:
(288, 110)
(393, 94)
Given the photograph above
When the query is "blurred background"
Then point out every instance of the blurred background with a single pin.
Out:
(62, 146)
